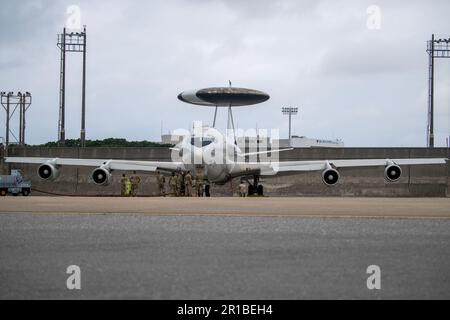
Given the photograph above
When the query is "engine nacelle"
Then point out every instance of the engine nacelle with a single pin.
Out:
(330, 177)
(392, 172)
(101, 176)
(48, 171)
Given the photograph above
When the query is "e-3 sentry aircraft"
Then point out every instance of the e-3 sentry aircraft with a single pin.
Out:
(218, 155)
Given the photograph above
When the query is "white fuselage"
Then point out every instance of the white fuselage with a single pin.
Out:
(217, 157)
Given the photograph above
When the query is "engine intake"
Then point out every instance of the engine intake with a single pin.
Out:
(101, 176)
(330, 177)
(48, 171)
(392, 173)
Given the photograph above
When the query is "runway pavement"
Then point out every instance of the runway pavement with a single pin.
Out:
(323, 207)
(224, 254)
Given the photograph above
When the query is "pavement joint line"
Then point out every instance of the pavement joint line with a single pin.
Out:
(391, 217)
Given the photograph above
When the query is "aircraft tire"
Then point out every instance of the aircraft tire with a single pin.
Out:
(260, 190)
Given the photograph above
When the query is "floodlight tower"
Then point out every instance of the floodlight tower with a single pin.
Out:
(25, 103)
(290, 111)
(71, 42)
(436, 49)
(12, 102)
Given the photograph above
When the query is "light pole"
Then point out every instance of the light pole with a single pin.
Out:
(289, 111)
(6, 105)
(67, 43)
(12, 102)
(436, 48)
(2, 165)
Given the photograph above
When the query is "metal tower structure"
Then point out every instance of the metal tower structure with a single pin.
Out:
(71, 42)
(290, 111)
(436, 49)
(12, 102)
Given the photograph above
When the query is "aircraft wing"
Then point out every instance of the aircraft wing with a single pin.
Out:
(128, 165)
(316, 165)
(286, 167)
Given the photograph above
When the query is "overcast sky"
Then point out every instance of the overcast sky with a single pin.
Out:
(367, 86)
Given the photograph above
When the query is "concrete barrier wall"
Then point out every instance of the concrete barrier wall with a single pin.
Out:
(420, 181)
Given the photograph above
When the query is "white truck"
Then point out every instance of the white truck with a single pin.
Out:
(14, 184)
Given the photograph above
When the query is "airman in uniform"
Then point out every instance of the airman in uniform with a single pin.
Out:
(178, 183)
(188, 184)
(135, 181)
(173, 184)
(125, 186)
(242, 189)
(200, 183)
(182, 184)
(161, 182)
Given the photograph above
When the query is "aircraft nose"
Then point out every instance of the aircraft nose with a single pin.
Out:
(180, 97)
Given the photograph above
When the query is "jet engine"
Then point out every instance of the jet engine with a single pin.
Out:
(392, 172)
(48, 171)
(330, 177)
(101, 176)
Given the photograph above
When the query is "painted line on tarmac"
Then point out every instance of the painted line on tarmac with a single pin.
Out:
(251, 215)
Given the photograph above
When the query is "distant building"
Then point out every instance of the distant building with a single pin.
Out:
(253, 144)
(304, 142)
(171, 139)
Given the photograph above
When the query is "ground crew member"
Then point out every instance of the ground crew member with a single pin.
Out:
(178, 185)
(242, 189)
(125, 186)
(173, 184)
(188, 184)
(200, 183)
(161, 181)
(135, 180)
(182, 185)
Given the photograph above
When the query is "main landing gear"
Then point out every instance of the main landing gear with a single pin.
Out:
(255, 189)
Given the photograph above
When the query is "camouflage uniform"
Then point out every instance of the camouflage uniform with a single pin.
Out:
(161, 181)
(188, 185)
(200, 183)
(135, 180)
(125, 186)
(242, 190)
(173, 184)
(178, 181)
(182, 184)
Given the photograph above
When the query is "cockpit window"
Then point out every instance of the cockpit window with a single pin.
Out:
(196, 141)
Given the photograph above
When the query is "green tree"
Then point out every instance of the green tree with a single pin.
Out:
(109, 142)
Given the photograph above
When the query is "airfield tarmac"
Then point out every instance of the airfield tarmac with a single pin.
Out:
(224, 248)
(312, 206)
